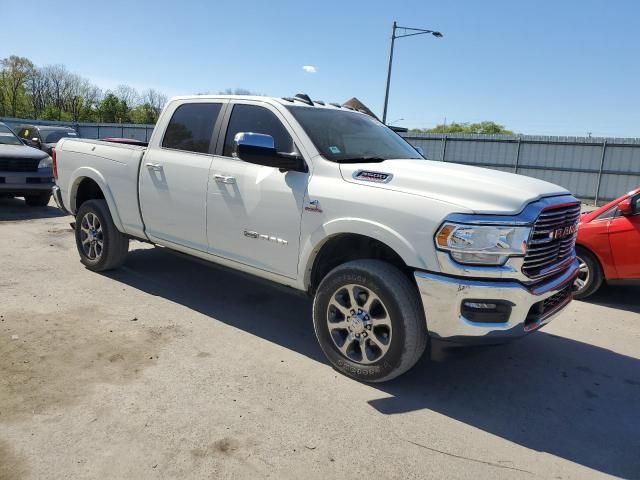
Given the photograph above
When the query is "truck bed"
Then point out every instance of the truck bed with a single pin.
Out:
(113, 166)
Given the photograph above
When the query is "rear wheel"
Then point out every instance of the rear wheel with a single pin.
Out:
(100, 245)
(369, 322)
(590, 275)
(38, 199)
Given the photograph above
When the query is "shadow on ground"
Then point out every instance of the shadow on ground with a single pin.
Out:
(625, 297)
(15, 209)
(547, 393)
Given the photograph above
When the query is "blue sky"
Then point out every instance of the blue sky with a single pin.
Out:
(563, 67)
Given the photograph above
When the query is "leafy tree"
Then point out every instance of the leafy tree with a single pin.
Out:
(113, 110)
(15, 71)
(144, 113)
(484, 128)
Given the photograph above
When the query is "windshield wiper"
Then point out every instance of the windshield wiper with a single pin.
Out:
(363, 159)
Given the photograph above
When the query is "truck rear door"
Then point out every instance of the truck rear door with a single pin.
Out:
(175, 171)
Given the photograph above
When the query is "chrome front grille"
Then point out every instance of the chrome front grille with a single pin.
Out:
(552, 239)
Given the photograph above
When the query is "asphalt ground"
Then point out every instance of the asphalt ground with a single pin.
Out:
(169, 368)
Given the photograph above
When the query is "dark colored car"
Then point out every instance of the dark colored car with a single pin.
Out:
(45, 137)
(24, 171)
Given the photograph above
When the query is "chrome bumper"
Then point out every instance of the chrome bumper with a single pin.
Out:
(442, 299)
(57, 196)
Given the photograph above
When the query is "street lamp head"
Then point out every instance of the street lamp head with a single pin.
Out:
(406, 32)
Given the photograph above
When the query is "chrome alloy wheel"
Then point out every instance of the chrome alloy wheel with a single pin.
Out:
(359, 324)
(91, 236)
(582, 280)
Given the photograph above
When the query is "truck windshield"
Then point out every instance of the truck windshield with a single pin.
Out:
(346, 136)
(7, 137)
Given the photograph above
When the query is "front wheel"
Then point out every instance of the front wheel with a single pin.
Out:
(590, 275)
(369, 321)
(100, 245)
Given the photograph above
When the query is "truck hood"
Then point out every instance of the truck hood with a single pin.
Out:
(480, 190)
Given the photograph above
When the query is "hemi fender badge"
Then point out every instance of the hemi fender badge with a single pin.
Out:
(313, 206)
(369, 176)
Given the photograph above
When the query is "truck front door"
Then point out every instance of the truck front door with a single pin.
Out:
(174, 175)
(624, 235)
(254, 212)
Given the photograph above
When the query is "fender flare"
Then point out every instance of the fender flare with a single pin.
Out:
(93, 174)
(314, 242)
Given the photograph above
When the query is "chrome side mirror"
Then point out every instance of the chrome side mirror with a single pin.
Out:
(420, 151)
(259, 149)
(253, 140)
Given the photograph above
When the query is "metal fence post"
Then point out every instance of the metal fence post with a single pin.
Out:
(98, 136)
(444, 147)
(604, 151)
(515, 165)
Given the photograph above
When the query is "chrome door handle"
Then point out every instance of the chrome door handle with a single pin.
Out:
(153, 166)
(224, 179)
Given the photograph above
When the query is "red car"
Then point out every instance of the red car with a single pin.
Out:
(608, 244)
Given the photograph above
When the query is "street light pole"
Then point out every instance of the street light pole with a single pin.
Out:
(415, 31)
(386, 93)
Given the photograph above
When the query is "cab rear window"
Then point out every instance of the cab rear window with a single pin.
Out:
(191, 127)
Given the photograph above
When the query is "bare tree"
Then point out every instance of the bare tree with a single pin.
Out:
(92, 98)
(127, 94)
(59, 80)
(37, 89)
(54, 92)
(76, 95)
(155, 100)
(15, 71)
(237, 91)
(2, 92)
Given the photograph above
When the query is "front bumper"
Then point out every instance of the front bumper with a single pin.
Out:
(24, 183)
(531, 307)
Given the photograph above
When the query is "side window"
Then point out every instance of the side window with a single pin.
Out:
(611, 213)
(635, 205)
(254, 119)
(191, 127)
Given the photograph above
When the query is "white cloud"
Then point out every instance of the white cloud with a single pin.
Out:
(309, 69)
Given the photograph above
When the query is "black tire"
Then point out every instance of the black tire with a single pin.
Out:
(398, 297)
(586, 286)
(38, 199)
(115, 245)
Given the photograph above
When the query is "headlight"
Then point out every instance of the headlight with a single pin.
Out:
(45, 163)
(482, 244)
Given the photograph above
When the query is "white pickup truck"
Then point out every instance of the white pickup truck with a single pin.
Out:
(394, 249)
